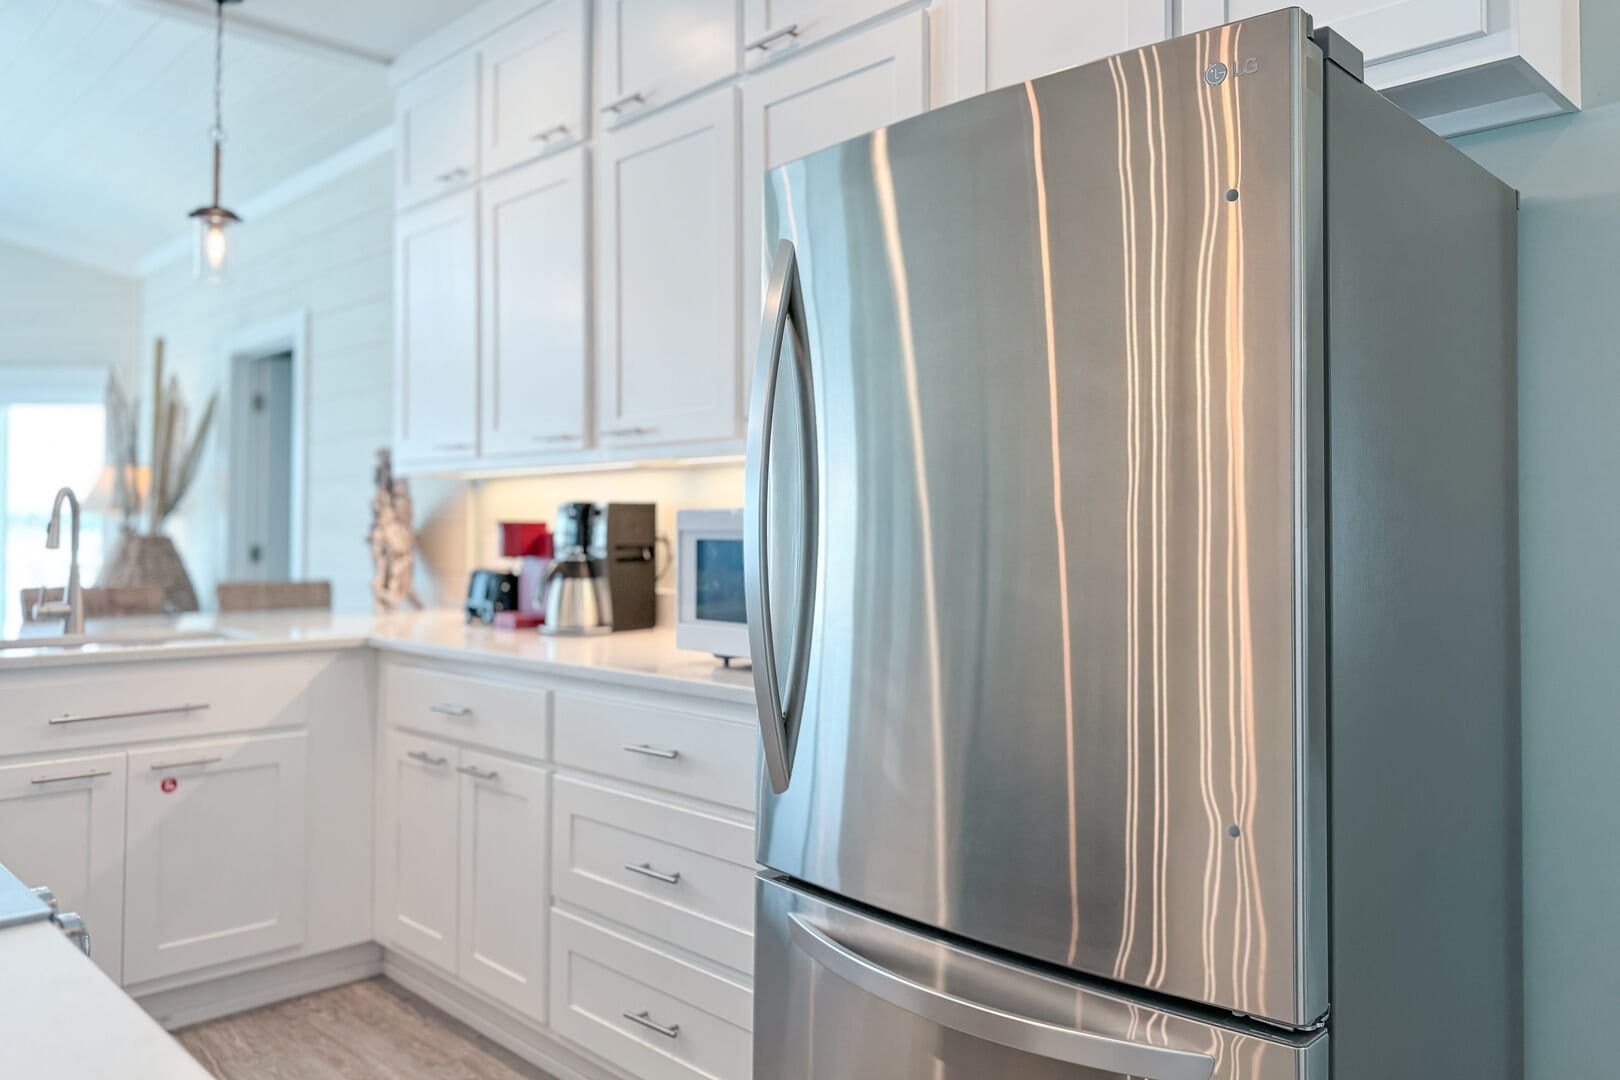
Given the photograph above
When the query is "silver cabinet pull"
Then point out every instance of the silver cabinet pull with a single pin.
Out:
(646, 870)
(127, 714)
(644, 1018)
(426, 758)
(629, 101)
(652, 751)
(1105, 1053)
(763, 44)
(477, 773)
(88, 774)
(165, 766)
(450, 710)
(556, 438)
(550, 133)
(634, 429)
(458, 173)
(452, 446)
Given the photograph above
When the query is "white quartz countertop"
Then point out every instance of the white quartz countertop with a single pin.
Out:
(641, 658)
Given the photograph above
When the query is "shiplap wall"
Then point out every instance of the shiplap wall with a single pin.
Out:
(59, 313)
(329, 254)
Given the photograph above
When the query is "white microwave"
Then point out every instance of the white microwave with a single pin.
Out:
(711, 614)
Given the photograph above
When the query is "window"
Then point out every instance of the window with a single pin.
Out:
(52, 431)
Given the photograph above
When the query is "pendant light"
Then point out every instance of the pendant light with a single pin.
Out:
(213, 247)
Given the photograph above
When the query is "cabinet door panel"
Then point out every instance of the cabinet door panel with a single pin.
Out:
(1001, 42)
(62, 825)
(436, 131)
(436, 331)
(778, 28)
(1381, 29)
(534, 85)
(416, 848)
(824, 97)
(504, 811)
(657, 51)
(667, 217)
(533, 301)
(215, 858)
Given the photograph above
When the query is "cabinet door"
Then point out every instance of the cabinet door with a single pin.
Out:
(436, 331)
(436, 131)
(1001, 42)
(534, 85)
(505, 806)
(821, 98)
(1381, 29)
(215, 857)
(533, 302)
(667, 368)
(776, 28)
(62, 825)
(654, 52)
(416, 848)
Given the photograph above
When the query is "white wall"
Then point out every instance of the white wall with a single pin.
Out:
(57, 313)
(330, 255)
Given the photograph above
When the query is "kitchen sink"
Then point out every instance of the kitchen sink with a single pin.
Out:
(126, 639)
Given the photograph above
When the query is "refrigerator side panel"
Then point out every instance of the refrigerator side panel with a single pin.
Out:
(1423, 564)
(1059, 691)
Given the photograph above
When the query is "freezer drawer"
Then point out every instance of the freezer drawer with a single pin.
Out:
(839, 993)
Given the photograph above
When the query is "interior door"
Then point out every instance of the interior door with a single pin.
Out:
(839, 993)
(62, 826)
(416, 848)
(1056, 695)
(215, 863)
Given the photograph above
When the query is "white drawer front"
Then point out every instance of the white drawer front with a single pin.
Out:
(687, 753)
(69, 708)
(494, 714)
(645, 1011)
(677, 874)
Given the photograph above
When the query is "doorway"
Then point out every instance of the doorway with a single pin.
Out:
(262, 468)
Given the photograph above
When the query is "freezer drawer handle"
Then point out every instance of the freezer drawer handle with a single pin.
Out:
(779, 719)
(644, 1018)
(652, 751)
(1038, 1037)
(646, 870)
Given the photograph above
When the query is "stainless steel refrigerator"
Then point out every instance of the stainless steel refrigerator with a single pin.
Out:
(1131, 557)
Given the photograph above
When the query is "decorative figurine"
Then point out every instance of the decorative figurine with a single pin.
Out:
(393, 544)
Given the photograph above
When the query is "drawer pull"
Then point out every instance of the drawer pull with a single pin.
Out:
(550, 133)
(450, 710)
(426, 758)
(165, 766)
(477, 773)
(127, 714)
(89, 774)
(634, 429)
(644, 1018)
(652, 751)
(763, 44)
(457, 173)
(646, 870)
(556, 438)
(628, 101)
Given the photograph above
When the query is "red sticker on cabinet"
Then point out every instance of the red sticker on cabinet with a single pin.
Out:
(169, 784)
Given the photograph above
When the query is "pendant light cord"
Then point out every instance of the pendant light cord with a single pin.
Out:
(219, 76)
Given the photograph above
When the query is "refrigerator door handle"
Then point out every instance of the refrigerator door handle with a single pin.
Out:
(779, 713)
(1102, 1052)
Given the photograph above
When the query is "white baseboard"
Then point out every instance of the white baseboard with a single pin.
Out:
(210, 1000)
(519, 1036)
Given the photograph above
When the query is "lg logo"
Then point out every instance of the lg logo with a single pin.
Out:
(1217, 72)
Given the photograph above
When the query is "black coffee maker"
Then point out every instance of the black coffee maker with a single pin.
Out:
(603, 574)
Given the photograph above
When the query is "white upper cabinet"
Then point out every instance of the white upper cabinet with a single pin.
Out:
(667, 362)
(1001, 42)
(216, 856)
(654, 52)
(436, 331)
(436, 131)
(775, 28)
(534, 85)
(1457, 65)
(533, 308)
(827, 95)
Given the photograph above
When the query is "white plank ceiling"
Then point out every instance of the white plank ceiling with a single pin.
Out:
(105, 107)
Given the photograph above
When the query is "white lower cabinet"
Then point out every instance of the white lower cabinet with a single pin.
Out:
(416, 849)
(62, 825)
(648, 1012)
(215, 866)
(504, 810)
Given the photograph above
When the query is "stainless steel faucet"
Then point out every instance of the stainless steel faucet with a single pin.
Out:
(71, 606)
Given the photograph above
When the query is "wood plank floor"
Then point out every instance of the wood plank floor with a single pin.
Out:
(370, 1030)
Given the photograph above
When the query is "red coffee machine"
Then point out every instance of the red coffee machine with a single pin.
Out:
(530, 542)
